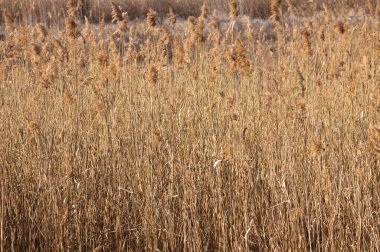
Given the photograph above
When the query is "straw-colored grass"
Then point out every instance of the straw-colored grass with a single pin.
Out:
(214, 132)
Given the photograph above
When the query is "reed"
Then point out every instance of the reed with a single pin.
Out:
(205, 129)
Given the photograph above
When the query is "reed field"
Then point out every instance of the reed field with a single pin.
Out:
(189, 126)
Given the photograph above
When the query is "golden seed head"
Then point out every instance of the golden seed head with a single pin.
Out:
(374, 139)
(42, 31)
(171, 17)
(151, 18)
(9, 24)
(204, 10)
(306, 42)
(152, 74)
(234, 11)
(69, 99)
(117, 14)
(249, 31)
(122, 27)
(70, 27)
(215, 20)
(71, 8)
(340, 27)
(275, 10)
(316, 147)
(102, 58)
(165, 37)
(35, 49)
(32, 126)
(227, 153)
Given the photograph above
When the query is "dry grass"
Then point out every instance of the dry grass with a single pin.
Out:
(220, 133)
(52, 11)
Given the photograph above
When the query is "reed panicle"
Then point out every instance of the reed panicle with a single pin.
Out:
(71, 7)
(87, 28)
(301, 82)
(306, 42)
(237, 58)
(215, 23)
(249, 29)
(195, 30)
(316, 147)
(42, 31)
(291, 7)
(151, 18)
(117, 14)
(340, 27)
(122, 25)
(171, 17)
(152, 74)
(234, 11)
(322, 33)
(179, 53)
(374, 139)
(9, 23)
(204, 10)
(70, 28)
(275, 10)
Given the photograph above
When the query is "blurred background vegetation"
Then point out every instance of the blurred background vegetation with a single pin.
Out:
(48, 11)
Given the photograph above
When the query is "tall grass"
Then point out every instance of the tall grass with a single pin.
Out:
(212, 134)
(50, 11)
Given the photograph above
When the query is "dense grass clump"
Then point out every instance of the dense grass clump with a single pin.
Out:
(208, 132)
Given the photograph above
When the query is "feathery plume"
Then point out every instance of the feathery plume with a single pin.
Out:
(215, 20)
(301, 82)
(151, 18)
(42, 31)
(152, 74)
(87, 29)
(237, 58)
(374, 139)
(322, 33)
(70, 28)
(122, 27)
(71, 8)
(316, 147)
(61, 49)
(275, 10)
(9, 24)
(171, 17)
(340, 27)
(249, 30)
(179, 53)
(69, 98)
(195, 30)
(291, 7)
(117, 14)
(234, 11)
(204, 10)
(242, 58)
(306, 42)
(81, 6)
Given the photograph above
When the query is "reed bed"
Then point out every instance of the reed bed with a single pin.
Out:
(213, 132)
